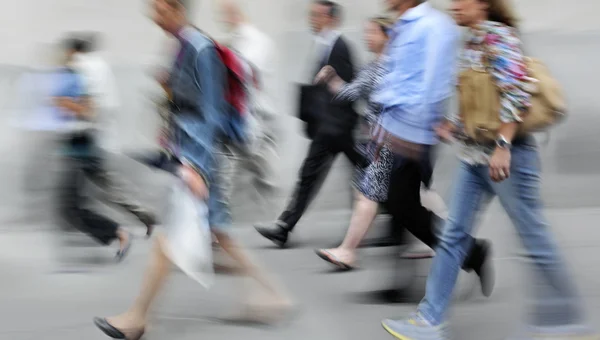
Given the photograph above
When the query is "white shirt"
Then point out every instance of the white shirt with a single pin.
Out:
(101, 86)
(98, 78)
(258, 49)
(324, 43)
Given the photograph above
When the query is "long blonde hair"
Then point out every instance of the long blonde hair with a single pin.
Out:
(502, 11)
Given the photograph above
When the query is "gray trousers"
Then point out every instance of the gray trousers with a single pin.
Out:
(259, 159)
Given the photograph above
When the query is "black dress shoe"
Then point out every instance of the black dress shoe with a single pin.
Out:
(275, 233)
(480, 261)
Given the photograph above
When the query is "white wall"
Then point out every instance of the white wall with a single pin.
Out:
(133, 38)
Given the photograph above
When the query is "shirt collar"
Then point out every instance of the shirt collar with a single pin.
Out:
(412, 14)
(183, 32)
(477, 34)
(416, 13)
(327, 37)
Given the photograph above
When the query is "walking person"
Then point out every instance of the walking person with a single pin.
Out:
(197, 85)
(414, 95)
(373, 186)
(501, 162)
(331, 132)
(259, 156)
(81, 160)
(102, 90)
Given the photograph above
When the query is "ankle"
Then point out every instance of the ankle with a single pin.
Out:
(136, 314)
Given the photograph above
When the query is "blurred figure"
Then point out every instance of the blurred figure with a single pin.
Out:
(372, 187)
(75, 110)
(199, 114)
(507, 167)
(420, 59)
(101, 87)
(259, 156)
(330, 124)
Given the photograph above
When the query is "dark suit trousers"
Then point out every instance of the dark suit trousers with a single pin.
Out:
(74, 203)
(322, 151)
(408, 214)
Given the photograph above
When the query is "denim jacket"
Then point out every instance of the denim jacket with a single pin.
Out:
(198, 105)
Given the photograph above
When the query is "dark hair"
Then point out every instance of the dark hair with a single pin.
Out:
(77, 44)
(503, 12)
(93, 40)
(335, 10)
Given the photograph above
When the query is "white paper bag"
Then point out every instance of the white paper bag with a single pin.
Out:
(188, 234)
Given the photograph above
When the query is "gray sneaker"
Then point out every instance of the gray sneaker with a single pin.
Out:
(415, 328)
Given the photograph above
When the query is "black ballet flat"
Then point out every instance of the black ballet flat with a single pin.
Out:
(115, 333)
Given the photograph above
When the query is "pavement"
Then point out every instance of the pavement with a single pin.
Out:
(39, 299)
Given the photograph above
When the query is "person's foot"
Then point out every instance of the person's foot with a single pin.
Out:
(124, 245)
(342, 258)
(414, 328)
(485, 269)
(267, 311)
(275, 232)
(122, 327)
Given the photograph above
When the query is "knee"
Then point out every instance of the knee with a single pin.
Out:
(453, 234)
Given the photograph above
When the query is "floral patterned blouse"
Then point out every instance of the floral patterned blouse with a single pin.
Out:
(501, 45)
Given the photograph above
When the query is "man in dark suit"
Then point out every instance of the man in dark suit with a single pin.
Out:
(330, 124)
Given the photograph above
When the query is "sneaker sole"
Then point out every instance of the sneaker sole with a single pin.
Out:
(395, 334)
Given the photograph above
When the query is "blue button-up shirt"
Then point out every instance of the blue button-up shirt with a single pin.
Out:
(421, 68)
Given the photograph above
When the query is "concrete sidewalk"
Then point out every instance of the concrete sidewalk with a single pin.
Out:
(37, 302)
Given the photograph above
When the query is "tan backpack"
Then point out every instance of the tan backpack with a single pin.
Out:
(479, 100)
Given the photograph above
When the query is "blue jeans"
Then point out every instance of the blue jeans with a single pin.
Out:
(555, 301)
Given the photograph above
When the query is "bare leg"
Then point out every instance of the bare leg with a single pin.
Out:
(248, 267)
(123, 238)
(279, 302)
(156, 275)
(363, 215)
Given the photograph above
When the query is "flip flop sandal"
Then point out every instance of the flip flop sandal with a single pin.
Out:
(329, 257)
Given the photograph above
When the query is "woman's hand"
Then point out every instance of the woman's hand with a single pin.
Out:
(500, 164)
(326, 73)
(445, 131)
(195, 182)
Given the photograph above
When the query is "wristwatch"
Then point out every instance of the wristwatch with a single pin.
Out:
(503, 143)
